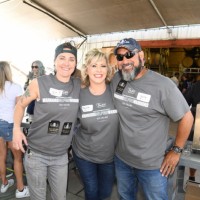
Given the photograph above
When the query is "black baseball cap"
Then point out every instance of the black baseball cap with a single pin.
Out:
(65, 48)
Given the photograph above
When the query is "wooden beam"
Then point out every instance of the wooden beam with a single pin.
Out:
(184, 43)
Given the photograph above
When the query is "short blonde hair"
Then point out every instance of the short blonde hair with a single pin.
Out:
(98, 55)
(5, 74)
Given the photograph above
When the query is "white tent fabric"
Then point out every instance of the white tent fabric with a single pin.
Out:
(111, 39)
(23, 51)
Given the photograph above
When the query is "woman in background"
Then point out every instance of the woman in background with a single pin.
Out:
(9, 95)
(37, 70)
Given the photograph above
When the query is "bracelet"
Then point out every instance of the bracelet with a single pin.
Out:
(177, 149)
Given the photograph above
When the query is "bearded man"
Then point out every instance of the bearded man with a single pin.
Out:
(146, 101)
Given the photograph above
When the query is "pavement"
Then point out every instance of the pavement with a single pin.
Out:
(75, 190)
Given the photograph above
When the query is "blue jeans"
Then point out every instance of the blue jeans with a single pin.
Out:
(39, 168)
(6, 130)
(153, 184)
(98, 179)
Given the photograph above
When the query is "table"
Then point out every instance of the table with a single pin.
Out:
(191, 161)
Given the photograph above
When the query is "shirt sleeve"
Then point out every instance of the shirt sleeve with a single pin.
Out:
(175, 104)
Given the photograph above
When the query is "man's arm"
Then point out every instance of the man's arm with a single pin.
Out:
(172, 158)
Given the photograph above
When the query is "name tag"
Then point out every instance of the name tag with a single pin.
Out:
(120, 87)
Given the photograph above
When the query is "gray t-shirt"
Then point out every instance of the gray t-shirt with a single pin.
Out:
(96, 137)
(54, 116)
(145, 107)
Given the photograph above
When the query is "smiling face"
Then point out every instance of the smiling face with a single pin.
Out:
(97, 71)
(65, 64)
(130, 66)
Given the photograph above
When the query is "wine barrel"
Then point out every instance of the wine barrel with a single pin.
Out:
(187, 62)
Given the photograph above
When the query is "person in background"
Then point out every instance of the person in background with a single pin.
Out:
(192, 96)
(94, 142)
(51, 131)
(9, 95)
(146, 101)
(185, 83)
(175, 78)
(37, 70)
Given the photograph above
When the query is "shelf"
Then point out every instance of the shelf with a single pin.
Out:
(192, 70)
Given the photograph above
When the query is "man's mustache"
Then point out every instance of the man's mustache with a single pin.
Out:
(128, 64)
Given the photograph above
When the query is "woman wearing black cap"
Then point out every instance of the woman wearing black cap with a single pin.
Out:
(50, 134)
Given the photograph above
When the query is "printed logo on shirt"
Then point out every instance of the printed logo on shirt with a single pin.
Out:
(55, 92)
(121, 86)
(87, 108)
(129, 101)
(143, 97)
(99, 113)
(58, 93)
(66, 128)
(59, 100)
(65, 93)
(100, 105)
(53, 127)
(131, 91)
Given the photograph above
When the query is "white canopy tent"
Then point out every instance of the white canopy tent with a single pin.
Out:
(31, 29)
(111, 39)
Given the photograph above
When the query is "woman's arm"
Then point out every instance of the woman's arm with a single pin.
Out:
(30, 94)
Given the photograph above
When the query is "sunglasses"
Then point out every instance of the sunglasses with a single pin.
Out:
(128, 55)
(36, 67)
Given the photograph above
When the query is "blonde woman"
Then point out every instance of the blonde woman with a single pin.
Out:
(94, 143)
(9, 94)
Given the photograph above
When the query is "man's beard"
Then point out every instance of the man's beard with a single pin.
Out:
(130, 76)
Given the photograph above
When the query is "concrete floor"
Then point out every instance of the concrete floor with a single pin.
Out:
(75, 189)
